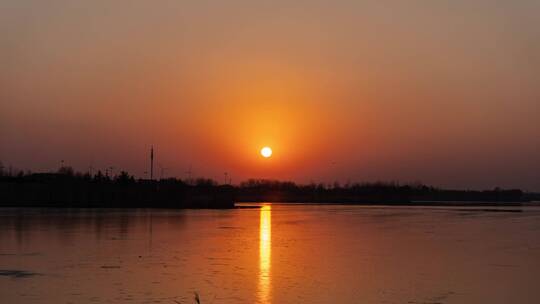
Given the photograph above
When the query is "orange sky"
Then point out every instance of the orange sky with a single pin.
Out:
(444, 93)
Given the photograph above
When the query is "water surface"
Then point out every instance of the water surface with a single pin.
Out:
(274, 254)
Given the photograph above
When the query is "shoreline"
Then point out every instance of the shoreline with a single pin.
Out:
(245, 205)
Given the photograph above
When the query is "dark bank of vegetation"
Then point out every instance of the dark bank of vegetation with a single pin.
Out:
(371, 193)
(67, 188)
(531, 196)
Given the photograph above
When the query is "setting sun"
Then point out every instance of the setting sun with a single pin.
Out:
(266, 152)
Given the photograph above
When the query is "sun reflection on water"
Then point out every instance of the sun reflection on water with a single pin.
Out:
(265, 251)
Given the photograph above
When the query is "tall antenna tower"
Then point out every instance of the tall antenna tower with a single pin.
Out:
(152, 163)
(188, 173)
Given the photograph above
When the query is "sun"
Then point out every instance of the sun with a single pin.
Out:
(266, 152)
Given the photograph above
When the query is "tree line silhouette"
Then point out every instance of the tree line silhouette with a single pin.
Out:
(67, 188)
(370, 192)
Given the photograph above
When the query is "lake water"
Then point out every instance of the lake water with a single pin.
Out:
(274, 254)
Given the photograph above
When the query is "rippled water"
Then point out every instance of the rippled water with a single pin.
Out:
(274, 254)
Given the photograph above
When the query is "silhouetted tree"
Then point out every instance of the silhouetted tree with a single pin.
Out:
(205, 182)
(99, 177)
(124, 178)
(66, 170)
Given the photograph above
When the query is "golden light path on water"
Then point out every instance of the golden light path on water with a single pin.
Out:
(265, 251)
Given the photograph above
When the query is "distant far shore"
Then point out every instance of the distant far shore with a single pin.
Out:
(239, 205)
(69, 189)
(403, 204)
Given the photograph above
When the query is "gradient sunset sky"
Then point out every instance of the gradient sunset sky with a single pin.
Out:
(443, 92)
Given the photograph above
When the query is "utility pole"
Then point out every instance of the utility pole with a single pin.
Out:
(152, 163)
(188, 172)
